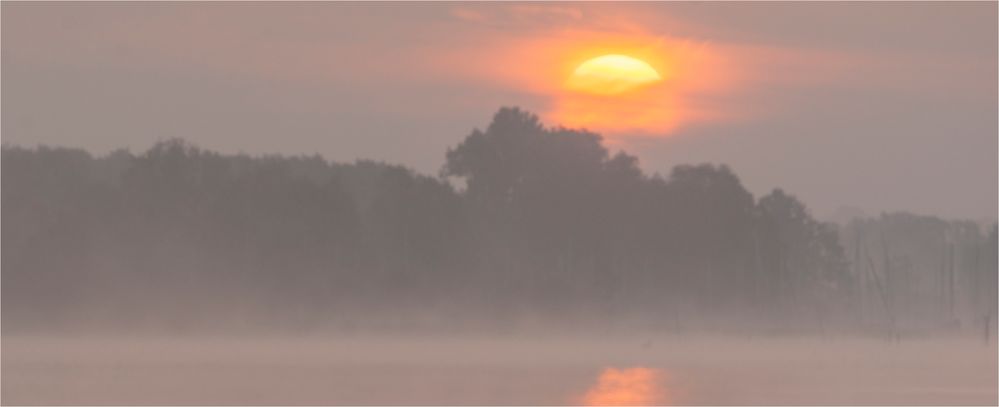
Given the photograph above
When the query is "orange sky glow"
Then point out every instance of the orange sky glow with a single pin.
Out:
(694, 74)
(688, 70)
(781, 93)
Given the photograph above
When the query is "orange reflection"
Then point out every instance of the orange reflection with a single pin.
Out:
(627, 387)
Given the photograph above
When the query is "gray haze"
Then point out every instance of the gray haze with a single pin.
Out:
(183, 276)
(376, 204)
(904, 118)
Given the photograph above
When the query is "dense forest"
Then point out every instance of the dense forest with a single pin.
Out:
(524, 226)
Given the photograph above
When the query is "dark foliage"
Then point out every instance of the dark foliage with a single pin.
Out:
(551, 227)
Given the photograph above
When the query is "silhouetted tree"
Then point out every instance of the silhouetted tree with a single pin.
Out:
(549, 225)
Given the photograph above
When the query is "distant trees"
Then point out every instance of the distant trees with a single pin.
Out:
(923, 272)
(550, 226)
(183, 235)
(802, 258)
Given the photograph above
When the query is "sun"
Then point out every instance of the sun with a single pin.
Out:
(611, 75)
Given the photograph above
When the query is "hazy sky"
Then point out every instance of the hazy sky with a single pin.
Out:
(872, 105)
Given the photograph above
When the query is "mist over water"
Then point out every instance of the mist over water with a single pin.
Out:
(514, 369)
(558, 274)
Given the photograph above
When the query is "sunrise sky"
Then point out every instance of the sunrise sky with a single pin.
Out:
(874, 106)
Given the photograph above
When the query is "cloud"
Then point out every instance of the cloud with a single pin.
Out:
(519, 15)
(467, 14)
(535, 10)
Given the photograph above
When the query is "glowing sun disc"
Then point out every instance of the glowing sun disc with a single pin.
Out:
(612, 74)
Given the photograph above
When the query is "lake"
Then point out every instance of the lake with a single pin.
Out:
(511, 369)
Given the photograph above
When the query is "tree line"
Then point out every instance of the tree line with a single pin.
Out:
(525, 225)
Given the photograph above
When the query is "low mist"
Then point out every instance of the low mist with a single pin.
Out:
(537, 267)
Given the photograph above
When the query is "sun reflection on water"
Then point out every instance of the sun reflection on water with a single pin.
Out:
(637, 386)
